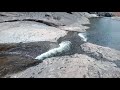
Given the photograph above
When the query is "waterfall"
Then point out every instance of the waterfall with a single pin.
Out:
(64, 47)
(83, 36)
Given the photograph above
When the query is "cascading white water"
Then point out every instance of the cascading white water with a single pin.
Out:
(64, 47)
(83, 36)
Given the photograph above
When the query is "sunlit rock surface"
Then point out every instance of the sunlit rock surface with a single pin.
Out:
(25, 35)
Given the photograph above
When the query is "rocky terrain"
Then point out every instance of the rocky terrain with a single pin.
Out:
(94, 62)
(25, 35)
(106, 14)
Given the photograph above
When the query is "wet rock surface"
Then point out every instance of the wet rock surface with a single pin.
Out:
(18, 57)
(25, 35)
(13, 63)
(29, 34)
(90, 61)
(74, 66)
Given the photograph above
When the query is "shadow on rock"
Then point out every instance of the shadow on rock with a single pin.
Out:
(18, 57)
(14, 63)
(31, 49)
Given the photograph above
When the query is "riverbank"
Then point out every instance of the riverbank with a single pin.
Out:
(25, 35)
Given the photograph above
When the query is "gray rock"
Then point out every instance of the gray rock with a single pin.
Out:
(37, 31)
(74, 66)
(100, 52)
(13, 63)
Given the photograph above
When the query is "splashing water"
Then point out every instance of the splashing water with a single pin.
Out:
(83, 36)
(64, 47)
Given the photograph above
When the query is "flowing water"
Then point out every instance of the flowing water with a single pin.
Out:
(105, 32)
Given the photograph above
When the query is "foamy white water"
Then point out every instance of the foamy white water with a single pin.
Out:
(83, 36)
(64, 46)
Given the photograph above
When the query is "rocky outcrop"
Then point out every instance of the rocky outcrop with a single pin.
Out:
(29, 34)
(26, 35)
(13, 63)
(100, 53)
(104, 14)
(94, 62)
(39, 26)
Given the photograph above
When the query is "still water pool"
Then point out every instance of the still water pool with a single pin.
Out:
(105, 32)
